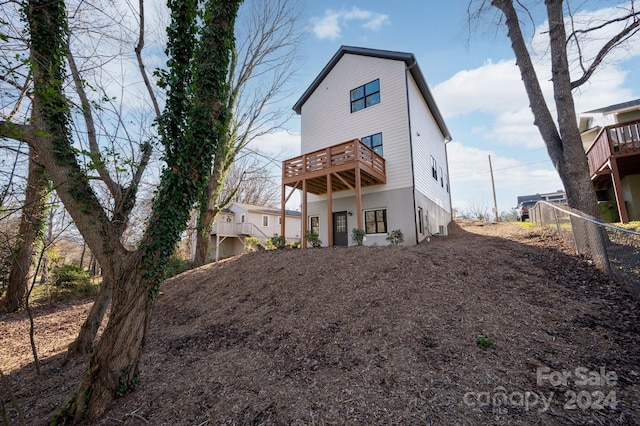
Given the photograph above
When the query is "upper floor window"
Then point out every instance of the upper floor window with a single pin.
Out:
(434, 168)
(441, 177)
(365, 96)
(374, 142)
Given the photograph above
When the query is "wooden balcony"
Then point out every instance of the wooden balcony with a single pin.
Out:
(231, 229)
(341, 162)
(618, 141)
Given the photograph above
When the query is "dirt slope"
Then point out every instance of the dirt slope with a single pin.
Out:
(375, 335)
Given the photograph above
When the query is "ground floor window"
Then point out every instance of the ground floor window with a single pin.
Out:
(314, 224)
(375, 221)
(265, 220)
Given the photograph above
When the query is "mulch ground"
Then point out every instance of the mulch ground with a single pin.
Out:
(367, 335)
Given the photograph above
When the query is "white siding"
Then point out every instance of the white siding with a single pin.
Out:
(327, 119)
(427, 141)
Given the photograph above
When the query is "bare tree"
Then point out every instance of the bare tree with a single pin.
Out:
(561, 136)
(477, 210)
(31, 228)
(199, 46)
(267, 57)
(122, 197)
(250, 181)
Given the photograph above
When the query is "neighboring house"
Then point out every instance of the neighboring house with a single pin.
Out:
(239, 221)
(552, 197)
(374, 154)
(611, 137)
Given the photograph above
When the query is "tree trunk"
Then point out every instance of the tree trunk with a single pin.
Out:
(31, 227)
(209, 213)
(563, 141)
(84, 342)
(113, 369)
(574, 167)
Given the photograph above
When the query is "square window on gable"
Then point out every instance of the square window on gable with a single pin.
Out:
(365, 96)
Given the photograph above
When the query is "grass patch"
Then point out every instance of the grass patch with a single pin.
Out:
(484, 342)
(524, 224)
(634, 226)
(45, 293)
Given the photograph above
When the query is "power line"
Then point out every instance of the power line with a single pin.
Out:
(504, 168)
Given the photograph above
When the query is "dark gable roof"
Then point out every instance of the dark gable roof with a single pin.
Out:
(617, 107)
(408, 58)
(278, 212)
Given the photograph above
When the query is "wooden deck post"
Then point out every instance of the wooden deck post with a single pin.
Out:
(282, 210)
(304, 212)
(329, 211)
(358, 197)
(617, 189)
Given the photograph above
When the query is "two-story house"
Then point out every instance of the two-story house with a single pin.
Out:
(239, 221)
(611, 138)
(374, 153)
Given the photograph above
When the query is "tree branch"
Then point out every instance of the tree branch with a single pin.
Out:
(605, 50)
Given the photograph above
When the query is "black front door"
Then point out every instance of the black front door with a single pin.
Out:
(340, 235)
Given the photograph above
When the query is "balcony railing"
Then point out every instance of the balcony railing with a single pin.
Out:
(230, 228)
(617, 140)
(343, 155)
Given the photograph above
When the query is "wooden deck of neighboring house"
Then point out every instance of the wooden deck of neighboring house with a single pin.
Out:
(614, 154)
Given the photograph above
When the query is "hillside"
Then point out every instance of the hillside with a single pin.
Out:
(369, 335)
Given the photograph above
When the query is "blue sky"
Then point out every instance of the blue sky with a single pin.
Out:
(475, 82)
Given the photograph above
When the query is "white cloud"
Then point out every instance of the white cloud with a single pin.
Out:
(331, 24)
(492, 88)
(327, 27)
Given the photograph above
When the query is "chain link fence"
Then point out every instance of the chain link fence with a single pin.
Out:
(613, 249)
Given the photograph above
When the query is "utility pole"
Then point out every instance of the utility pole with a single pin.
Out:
(493, 186)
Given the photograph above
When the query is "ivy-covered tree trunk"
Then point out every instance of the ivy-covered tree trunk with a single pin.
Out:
(31, 228)
(210, 207)
(196, 90)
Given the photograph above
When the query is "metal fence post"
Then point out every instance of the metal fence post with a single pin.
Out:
(603, 244)
(555, 217)
(573, 232)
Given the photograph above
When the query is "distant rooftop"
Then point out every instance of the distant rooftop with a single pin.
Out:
(624, 106)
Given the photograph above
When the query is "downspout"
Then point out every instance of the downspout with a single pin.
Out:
(447, 139)
(413, 175)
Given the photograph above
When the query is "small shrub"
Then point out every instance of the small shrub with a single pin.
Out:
(294, 245)
(250, 244)
(484, 342)
(357, 236)
(313, 239)
(70, 275)
(395, 237)
(268, 244)
(279, 241)
(175, 265)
